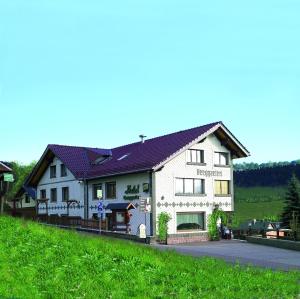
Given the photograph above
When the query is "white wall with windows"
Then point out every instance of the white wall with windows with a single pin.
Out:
(58, 184)
(114, 189)
(189, 186)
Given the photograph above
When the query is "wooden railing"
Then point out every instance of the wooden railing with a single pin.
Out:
(73, 221)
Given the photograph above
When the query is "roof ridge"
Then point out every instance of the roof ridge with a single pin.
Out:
(169, 134)
(77, 146)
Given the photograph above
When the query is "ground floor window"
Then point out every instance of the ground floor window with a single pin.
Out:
(190, 221)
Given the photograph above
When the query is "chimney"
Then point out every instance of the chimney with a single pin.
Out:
(142, 138)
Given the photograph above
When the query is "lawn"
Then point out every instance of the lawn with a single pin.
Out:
(258, 203)
(42, 262)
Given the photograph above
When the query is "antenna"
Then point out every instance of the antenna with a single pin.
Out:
(142, 138)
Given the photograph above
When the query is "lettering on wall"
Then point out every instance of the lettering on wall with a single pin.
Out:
(209, 173)
(132, 192)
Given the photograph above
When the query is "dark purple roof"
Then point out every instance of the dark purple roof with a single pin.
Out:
(136, 156)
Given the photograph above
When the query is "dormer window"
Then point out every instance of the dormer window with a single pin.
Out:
(195, 156)
(52, 171)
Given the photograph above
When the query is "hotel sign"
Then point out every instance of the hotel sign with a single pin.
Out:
(209, 173)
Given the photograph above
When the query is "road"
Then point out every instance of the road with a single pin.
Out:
(240, 251)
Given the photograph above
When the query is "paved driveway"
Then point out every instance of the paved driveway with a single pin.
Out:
(241, 251)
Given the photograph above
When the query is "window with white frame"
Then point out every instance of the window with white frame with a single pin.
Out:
(195, 156)
(222, 187)
(221, 159)
(185, 186)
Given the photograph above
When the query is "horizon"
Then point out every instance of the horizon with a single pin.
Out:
(100, 74)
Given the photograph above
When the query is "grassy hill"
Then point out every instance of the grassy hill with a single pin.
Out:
(260, 189)
(42, 262)
(258, 203)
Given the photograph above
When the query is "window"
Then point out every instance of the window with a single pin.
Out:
(97, 191)
(190, 221)
(111, 190)
(222, 187)
(189, 186)
(65, 193)
(120, 217)
(52, 172)
(222, 159)
(53, 195)
(63, 170)
(27, 198)
(42, 194)
(195, 156)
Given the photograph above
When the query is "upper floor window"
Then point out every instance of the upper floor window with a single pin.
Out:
(63, 170)
(195, 156)
(53, 195)
(65, 193)
(221, 159)
(222, 187)
(43, 194)
(97, 191)
(189, 186)
(52, 171)
(111, 190)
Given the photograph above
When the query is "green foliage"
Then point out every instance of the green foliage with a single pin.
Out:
(292, 201)
(42, 262)
(163, 220)
(251, 166)
(212, 223)
(20, 172)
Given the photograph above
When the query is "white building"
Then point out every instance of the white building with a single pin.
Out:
(185, 174)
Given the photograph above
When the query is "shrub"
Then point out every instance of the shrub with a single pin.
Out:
(163, 220)
(213, 231)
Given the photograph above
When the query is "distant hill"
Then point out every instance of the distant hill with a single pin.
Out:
(267, 176)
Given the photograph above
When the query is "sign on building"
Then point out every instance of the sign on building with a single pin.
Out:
(8, 177)
(145, 205)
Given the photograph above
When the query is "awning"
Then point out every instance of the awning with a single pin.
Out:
(120, 206)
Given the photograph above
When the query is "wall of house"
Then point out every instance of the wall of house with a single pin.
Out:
(122, 182)
(22, 203)
(76, 191)
(164, 181)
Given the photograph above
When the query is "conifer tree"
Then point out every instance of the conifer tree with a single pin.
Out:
(292, 201)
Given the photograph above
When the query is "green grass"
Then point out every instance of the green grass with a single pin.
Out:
(259, 194)
(258, 203)
(42, 262)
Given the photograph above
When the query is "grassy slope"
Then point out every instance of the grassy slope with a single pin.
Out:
(39, 262)
(258, 202)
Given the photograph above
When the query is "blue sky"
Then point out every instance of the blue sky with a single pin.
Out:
(99, 73)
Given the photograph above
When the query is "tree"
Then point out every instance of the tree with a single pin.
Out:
(20, 173)
(292, 201)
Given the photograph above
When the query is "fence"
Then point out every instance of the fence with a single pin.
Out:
(282, 234)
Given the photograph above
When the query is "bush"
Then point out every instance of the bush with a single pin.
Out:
(213, 231)
(163, 220)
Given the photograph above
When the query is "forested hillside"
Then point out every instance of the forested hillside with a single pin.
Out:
(278, 175)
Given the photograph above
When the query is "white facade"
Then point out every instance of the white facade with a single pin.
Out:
(76, 191)
(162, 189)
(164, 181)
